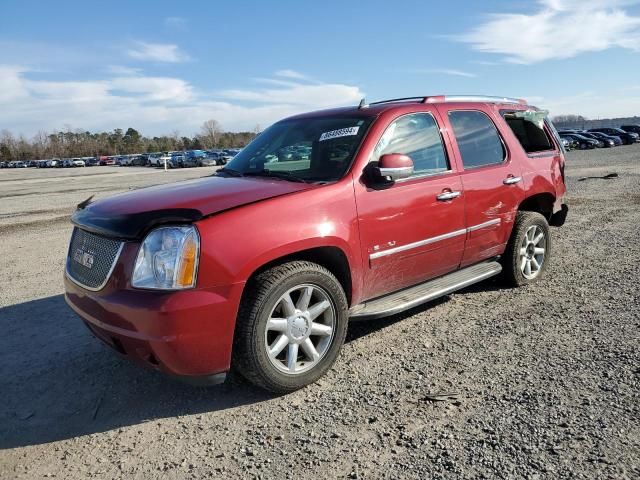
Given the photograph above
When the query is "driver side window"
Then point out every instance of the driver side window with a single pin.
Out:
(416, 135)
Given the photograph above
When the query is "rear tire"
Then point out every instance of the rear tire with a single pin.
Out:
(291, 326)
(529, 250)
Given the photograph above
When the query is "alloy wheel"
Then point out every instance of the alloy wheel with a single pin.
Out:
(532, 252)
(300, 329)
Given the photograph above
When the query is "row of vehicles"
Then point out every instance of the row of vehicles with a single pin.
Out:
(51, 163)
(603, 137)
(176, 159)
(173, 159)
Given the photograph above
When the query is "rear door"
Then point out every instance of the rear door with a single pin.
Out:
(491, 178)
(412, 230)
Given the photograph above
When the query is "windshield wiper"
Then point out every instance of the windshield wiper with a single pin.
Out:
(277, 174)
(230, 171)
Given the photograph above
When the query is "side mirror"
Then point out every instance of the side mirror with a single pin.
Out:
(394, 166)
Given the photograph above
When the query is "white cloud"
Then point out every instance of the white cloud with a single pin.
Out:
(154, 88)
(153, 105)
(558, 29)
(157, 52)
(178, 23)
(292, 74)
(122, 70)
(447, 71)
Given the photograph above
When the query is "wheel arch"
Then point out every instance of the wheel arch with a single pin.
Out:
(540, 202)
(332, 258)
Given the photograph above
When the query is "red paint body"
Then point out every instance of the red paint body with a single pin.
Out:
(251, 222)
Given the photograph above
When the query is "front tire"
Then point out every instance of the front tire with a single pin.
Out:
(291, 326)
(529, 250)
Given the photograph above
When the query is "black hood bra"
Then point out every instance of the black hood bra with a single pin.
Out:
(131, 226)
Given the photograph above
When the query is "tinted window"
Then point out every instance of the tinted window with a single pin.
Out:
(418, 136)
(477, 139)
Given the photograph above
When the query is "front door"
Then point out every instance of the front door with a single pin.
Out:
(414, 229)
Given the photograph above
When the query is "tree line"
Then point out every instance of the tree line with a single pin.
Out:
(80, 143)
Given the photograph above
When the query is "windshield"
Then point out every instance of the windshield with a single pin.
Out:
(309, 149)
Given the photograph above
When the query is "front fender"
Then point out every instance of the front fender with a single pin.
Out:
(238, 242)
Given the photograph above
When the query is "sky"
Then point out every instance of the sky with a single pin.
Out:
(167, 66)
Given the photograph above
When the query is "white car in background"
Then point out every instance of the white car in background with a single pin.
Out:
(77, 162)
(161, 161)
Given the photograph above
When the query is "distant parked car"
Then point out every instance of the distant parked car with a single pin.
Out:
(212, 159)
(582, 143)
(67, 163)
(616, 140)
(177, 161)
(155, 160)
(19, 164)
(566, 144)
(631, 128)
(138, 160)
(3, 164)
(601, 142)
(230, 153)
(627, 137)
(78, 162)
(161, 161)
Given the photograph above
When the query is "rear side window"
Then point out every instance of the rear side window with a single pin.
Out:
(416, 135)
(477, 137)
(528, 127)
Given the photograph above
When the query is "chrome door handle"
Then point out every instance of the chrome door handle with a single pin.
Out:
(512, 180)
(443, 197)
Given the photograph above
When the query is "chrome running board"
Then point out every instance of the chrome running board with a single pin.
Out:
(425, 292)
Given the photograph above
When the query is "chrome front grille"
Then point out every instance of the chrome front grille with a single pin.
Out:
(91, 259)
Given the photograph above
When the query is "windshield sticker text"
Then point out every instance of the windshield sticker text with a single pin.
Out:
(343, 132)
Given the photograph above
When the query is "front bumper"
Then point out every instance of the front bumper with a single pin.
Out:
(187, 333)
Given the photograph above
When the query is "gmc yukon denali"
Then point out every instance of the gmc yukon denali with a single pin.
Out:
(351, 213)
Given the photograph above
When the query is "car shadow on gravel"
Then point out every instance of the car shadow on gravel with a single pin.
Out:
(59, 382)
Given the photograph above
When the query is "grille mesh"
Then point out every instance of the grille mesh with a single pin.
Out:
(91, 258)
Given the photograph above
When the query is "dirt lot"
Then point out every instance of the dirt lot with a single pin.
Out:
(546, 378)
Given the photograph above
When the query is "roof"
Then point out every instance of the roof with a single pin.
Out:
(375, 108)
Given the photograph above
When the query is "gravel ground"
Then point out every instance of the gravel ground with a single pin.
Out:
(538, 382)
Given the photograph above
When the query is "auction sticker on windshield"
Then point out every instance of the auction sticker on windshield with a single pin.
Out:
(343, 132)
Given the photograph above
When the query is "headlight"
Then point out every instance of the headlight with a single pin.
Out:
(168, 259)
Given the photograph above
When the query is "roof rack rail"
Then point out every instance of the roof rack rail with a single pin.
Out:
(447, 98)
(421, 99)
(475, 98)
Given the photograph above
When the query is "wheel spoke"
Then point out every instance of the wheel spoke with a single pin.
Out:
(537, 239)
(321, 329)
(523, 263)
(527, 267)
(539, 251)
(523, 251)
(305, 298)
(318, 308)
(310, 350)
(277, 324)
(535, 264)
(288, 308)
(530, 233)
(292, 357)
(275, 349)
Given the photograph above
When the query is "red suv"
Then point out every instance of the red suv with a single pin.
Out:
(354, 213)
